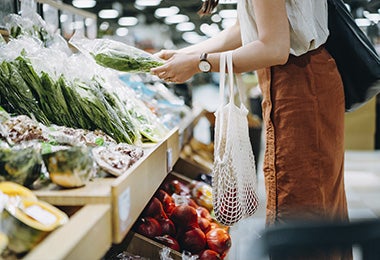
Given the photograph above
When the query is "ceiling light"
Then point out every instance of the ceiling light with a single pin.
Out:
(216, 18)
(84, 3)
(228, 13)
(185, 27)
(104, 26)
(128, 21)
(166, 11)
(108, 14)
(147, 2)
(192, 37)
(178, 18)
(209, 30)
(122, 31)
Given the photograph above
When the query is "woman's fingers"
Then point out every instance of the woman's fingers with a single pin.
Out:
(165, 54)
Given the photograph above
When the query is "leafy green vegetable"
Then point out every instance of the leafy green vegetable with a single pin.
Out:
(125, 62)
(20, 165)
(15, 94)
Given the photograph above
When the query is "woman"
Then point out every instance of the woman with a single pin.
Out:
(303, 101)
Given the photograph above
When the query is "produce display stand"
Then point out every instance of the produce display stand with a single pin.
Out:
(110, 206)
(75, 240)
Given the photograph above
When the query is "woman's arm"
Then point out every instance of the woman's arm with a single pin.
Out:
(271, 48)
(273, 44)
(227, 39)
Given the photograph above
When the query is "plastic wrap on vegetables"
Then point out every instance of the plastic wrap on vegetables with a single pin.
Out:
(117, 159)
(27, 222)
(51, 95)
(147, 123)
(168, 107)
(20, 164)
(29, 23)
(117, 55)
(70, 168)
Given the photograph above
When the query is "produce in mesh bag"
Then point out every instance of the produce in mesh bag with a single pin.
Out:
(116, 55)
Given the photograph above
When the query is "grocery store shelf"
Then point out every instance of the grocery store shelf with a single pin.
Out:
(86, 236)
(111, 205)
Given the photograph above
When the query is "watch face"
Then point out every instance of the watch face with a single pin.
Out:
(204, 66)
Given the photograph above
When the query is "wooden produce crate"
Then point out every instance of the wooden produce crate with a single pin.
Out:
(87, 235)
(127, 194)
(189, 168)
(146, 247)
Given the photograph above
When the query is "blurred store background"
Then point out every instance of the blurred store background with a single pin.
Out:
(156, 24)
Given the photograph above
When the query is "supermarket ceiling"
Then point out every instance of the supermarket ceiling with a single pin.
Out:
(180, 17)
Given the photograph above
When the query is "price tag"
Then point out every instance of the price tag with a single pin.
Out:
(169, 160)
(39, 214)
(124, 205)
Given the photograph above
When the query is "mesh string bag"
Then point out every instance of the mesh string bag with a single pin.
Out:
(234, 173)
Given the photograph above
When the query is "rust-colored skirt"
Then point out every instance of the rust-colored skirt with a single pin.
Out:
(303, 111)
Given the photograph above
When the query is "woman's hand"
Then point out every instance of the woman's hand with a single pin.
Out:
(165, 54)
(178, 67)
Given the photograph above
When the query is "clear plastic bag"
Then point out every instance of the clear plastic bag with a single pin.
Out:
(234, 173)
(116, 55)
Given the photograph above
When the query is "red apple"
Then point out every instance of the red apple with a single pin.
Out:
(168, 227)
(149, 227)
(219, 240)
(204, 213)
(184, 215)
(204, 224)
(154, 209)
(209, 254)
(166, 200)
(193, 240)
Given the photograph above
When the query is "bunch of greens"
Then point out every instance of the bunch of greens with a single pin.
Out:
(116, 55)
(123, 61)
(70, 103)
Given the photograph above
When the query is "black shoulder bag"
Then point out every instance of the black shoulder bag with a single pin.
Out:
(355, 56)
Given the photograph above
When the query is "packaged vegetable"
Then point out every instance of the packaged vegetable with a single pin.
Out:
(116, 55)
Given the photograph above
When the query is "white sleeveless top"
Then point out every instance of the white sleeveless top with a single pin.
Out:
(307, 22)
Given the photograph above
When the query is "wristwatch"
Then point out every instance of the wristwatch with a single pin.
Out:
(204, 65)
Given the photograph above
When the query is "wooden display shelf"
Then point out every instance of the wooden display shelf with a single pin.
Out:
(127, 194)
(111, 205)
(87, 235)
